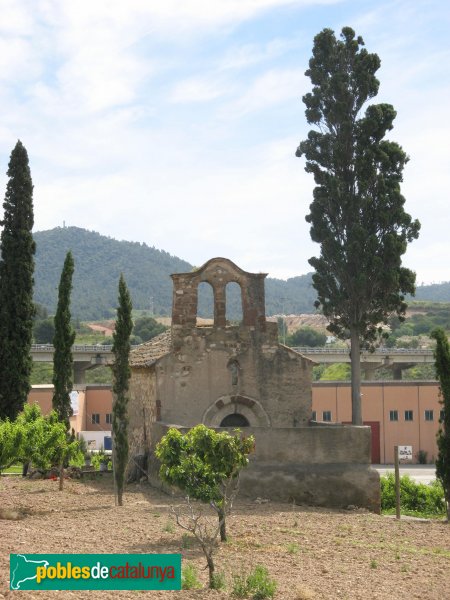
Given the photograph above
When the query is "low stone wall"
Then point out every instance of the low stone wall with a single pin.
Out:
(318, 465)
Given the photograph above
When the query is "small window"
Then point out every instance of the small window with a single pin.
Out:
(393, 415)
(95, 419)
(326, 415)
(108, 418)
(314, 415)
(429, 415)
(441, 416)
(409, 415)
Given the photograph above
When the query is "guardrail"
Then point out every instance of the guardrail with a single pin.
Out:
(386, 351)
(76, 348)
(301, 349)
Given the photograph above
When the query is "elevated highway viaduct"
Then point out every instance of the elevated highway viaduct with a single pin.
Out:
(90, 357)
(396, 359)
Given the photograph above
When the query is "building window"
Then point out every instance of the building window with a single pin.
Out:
(314, 415)
(429, 415)
(393, 415)
(95, 419)
(408, 415)
(326, 415)
(108, 418)
(441, 416)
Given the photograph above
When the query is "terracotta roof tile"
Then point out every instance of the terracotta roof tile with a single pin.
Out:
(149, 352)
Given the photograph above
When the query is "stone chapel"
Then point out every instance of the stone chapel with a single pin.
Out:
(240, 376)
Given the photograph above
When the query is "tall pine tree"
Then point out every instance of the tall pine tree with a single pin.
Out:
(121, 372)
(63, 340)
(16, 285)
(357, 214)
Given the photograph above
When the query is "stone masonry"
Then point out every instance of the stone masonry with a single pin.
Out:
(228, 376)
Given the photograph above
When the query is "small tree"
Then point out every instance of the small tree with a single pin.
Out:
(147, 328)
(44, 331)
(205, 465)
(121, 372)
(11, 442)
(46, 441)
(40, 440)
(63, 340)
(357, 214)
(306, 336)
(17, 250)
(442, 363)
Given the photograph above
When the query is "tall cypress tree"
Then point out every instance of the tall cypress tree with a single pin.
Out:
(121, 372)
(16, 285)
(357, 214)
(442, 365)
(62, 342)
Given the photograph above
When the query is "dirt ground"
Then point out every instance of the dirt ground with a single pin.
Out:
(312, 553)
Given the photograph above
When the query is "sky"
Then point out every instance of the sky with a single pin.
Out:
(176, 123)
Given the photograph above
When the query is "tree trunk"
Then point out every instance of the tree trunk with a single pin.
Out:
(223, 529)
(209, 560)
(61, 477)
(355, 354)
(447, 502)
(25, 467)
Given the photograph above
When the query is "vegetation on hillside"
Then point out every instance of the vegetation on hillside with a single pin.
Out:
(101, 259)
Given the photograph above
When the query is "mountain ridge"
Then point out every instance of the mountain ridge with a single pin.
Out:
(100, 259)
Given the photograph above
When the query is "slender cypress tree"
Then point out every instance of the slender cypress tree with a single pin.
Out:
(442, 365)
(357, 214)
(62, 342)
(121, 372)
(17, 249)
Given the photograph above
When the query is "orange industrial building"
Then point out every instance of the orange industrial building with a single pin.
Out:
(404, 413)
(92, 411)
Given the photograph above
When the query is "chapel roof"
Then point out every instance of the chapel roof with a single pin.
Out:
(148, 353)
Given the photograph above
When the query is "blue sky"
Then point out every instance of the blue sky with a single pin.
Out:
(176, 123)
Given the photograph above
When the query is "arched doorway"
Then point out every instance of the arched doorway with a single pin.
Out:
(234, 420)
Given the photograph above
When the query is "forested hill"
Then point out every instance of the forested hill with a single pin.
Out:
(99, 260)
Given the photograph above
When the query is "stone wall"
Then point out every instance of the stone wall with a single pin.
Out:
(315, 465)
(142, 411)
(219, 371)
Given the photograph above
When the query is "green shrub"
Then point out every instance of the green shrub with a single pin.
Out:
(189, 578)
(101, 457)
(169, 527)
(218, 581)
(258, 585)
(239, 586)
(422, 457)
(417, 497)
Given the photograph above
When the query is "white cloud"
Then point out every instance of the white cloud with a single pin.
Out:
(273, 87)
(198, 90)
(251, 54)
(176, 123)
